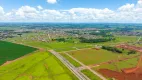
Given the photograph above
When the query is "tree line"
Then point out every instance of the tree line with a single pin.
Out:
(84, 40)
(113, 49)
(120, 51)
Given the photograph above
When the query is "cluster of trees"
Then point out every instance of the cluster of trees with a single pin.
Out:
(73, 32)
(84, 40)
(113, 49)
(132, 52)
(104, 33)
(64, 40)
(60, 39)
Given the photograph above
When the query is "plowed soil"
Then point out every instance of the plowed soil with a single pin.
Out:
(125, 74)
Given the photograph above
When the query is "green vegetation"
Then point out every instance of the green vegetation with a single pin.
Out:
(90, 75)
(58, 46)
(76, 64)
(113, 49)
(60, 39)
(103, 33)
(118, 66)
(65, 37)
(118, 50)
(126, 38)
(132, 52)
(84, 40)
(36, 66)
(10, 51)
(93, 56)
(69, 39)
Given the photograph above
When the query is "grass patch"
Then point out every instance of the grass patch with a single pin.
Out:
(90, 75)
(118, 66)
(76, 64)
(126, 38)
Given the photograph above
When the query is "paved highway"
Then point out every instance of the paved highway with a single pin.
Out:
(72, 68)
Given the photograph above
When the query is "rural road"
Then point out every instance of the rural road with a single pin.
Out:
(86, 67)
(72, 68)
(74, 50)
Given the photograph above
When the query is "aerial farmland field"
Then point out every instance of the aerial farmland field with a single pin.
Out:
(36, 66)
(10, 51)
(68, 53)
(118, 66)
(93, 56)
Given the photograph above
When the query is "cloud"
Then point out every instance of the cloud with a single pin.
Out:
(39, 7)
(125, 13)
(139, 4)
(127, 7)
(1, 11)
(52, 1)
(26, 12)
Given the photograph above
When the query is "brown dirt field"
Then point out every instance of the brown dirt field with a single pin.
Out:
(126, 74)
(120, 75)
(130, 47)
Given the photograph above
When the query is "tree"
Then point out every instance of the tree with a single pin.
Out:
(20, 34)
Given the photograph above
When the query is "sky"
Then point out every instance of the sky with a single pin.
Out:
(111, 11)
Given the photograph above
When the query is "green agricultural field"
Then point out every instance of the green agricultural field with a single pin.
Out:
(36, 66)
(93, 56)
(118, 66)
(10, 51)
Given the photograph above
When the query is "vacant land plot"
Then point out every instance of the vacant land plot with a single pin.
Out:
(36, 66)
(58, 46)
(126, 38)
(126, 70)
(118, 66)
(93, 56)
(65, 46)
(10, 51)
